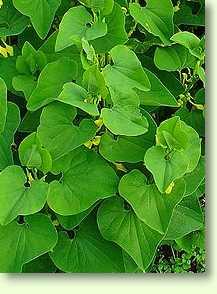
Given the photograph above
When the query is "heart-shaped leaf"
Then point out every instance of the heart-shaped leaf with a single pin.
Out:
(152, 207)
(16, 198)
(21, 243)
(86, 179)
(87, 251)
(58, 134)
(124, 228)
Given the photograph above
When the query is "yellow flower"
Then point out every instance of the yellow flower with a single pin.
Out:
(7, 50)
(169, 188)
(95, 141)
(1, 3)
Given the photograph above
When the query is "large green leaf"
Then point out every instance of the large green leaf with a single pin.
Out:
(187, 217)
(124, 228)
(129, 149)
(156, 17)
(152, 207)
(21, 243)
(87, 251)
(41, 264)
(58, 134)
(127, 72)
(77, 23)
(16, 198)
(125, 117)
(86, 179)
(51, 81)
(33, 155)
(12, 22)
(173, 58)
(3, 104)
(116, 33)
(158, 95)
(41, 13)
(7, 136)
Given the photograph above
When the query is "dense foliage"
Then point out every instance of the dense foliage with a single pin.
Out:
(102, 136)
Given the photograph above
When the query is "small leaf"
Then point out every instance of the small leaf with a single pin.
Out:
(21, 243)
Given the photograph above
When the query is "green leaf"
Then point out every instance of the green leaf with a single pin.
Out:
(69, 222)
(115, 223)
(21, 243)
(42, 264)
(156, 18)
(3, 104)
(173, 58)
(165, 168)
(194, 179)
(104, 6)
(124, 118)
(190, 41)
(127, 72)
(30, 121)
(41, 13)
(158, 95)
(51, 81)
(33, 155)
(12, 22)
(177, 152)
(7, 136)
(77, 96)
(77, 24)
(151, 207)
(187, 217)
(116, 33)
(184, 138)
(128, 149)
(87, 251)
(86, 178)
(16, 198)
(193, 118)
(58, 134)
(8, 71)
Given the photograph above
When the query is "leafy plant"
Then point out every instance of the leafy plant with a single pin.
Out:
(102, 107)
